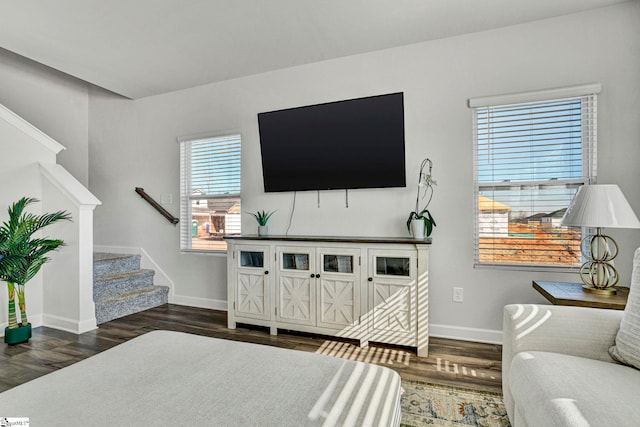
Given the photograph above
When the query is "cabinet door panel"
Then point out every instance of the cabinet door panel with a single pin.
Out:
(296, 299)
(252, 297)
(392, 296)
(393, 308)
(253, 282)
(296, 285)
(339, 290)
(338, 303)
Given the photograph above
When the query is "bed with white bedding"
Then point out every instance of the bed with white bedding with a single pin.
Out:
(174, 378)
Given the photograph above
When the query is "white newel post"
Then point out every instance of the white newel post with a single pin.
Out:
(68, 278)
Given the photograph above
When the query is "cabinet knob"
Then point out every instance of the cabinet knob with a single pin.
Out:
(266, 272)
(370, 279)
(317, 276)
(313, 275)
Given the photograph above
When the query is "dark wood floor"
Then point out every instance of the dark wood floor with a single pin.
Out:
(450, 362)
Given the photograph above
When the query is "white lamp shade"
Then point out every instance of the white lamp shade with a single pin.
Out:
(600, 206)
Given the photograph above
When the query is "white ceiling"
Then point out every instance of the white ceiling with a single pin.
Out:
(139, 48)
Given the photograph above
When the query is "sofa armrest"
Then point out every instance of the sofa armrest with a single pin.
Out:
(576, 331)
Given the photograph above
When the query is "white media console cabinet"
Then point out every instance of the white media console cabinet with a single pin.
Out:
(368, 289)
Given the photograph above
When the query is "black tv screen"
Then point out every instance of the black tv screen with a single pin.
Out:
(357, 143)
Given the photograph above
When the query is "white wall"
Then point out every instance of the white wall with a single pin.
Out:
(57, 105)
(133, 143)
(54, 102)
(21, 174)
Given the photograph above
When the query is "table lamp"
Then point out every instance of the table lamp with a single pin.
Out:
(600, 206)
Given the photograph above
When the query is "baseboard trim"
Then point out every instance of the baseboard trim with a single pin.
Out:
(35, 320)
(69, 325)
(489, 336)
(212, 304)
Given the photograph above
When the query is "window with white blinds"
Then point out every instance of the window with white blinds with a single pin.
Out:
(209, 192)
(530, 159)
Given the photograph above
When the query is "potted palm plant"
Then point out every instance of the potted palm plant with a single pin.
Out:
(420, 222)
(21, 257)
(263, 218)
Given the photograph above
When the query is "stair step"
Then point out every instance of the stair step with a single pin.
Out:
(121, 287)
(106, 264)
(130, 302)
(114, 284)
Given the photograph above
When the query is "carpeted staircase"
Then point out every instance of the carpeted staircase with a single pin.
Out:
(121, 287)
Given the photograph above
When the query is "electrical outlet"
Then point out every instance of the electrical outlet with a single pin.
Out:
(458, 294)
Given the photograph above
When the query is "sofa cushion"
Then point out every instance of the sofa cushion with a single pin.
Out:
(552, 389)
(627, 346)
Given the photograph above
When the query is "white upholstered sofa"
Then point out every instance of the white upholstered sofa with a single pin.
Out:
(557, 369)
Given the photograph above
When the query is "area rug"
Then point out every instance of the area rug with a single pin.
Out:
(435, 405)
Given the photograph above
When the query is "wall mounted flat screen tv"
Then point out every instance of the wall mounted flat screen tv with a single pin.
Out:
(357, 143)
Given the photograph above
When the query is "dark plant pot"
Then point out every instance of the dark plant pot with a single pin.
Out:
(17, 335)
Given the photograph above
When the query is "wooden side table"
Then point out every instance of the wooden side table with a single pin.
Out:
(564, 293)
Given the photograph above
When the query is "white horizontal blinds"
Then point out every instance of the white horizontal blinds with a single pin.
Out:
(210, 191)
(185, 192)
(530, 159)
(215, 166)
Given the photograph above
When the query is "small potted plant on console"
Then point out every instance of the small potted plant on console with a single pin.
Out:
(263, 218)
(21, 256)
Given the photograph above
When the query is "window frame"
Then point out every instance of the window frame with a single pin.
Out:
(588, 153)
(186, 194)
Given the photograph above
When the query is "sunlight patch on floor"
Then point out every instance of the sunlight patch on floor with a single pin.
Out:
(443, 365)
(375, 355)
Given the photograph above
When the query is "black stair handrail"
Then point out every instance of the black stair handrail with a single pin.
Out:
(172, 219)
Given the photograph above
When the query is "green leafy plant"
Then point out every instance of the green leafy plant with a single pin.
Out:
(426, 182)
(21, 254)
(262, 216)
(424, 215)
